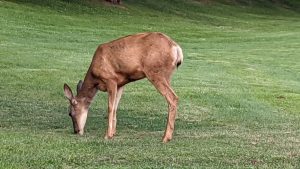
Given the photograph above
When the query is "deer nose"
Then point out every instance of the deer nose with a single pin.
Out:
(76, 131)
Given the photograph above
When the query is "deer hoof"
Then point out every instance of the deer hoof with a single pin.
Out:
(108, 137)
(166, 139)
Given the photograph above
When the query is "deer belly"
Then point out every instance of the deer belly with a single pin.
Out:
(125, 78)
(136, 75)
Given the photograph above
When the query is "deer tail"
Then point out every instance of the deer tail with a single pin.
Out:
(179, 56)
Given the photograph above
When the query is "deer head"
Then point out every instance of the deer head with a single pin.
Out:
(78, 109)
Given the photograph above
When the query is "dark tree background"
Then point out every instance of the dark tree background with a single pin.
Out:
(114, 1)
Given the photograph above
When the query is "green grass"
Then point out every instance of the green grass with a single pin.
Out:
(239, 85)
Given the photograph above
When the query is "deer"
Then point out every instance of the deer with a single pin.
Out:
(151, 55)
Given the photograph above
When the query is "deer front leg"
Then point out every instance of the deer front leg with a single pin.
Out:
(112, 95)
(119, 94)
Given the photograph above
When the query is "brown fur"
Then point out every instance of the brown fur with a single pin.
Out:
(134, 57)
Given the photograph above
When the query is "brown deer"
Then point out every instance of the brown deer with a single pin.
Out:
(152, 55)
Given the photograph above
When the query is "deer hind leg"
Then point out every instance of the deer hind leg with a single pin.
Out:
(118, 97)
(162, 84)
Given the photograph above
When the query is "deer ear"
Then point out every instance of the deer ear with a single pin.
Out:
(79, 85)
(68, 92)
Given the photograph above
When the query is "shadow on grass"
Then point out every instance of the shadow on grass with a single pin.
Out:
(141, 121)
(39, 116)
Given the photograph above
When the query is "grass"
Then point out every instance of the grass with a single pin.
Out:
(239, 85)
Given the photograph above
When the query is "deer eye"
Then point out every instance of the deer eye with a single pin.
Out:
(70, 111)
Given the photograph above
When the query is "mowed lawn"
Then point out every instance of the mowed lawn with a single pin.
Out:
(239, 85)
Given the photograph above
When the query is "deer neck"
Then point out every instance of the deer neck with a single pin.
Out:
(87, 91)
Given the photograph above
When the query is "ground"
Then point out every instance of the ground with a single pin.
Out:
(239, 85)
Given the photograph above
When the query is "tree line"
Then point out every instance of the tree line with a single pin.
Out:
(114, 1)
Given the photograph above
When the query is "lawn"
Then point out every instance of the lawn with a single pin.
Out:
(239, 85)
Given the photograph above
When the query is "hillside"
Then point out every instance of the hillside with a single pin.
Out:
(239, 85)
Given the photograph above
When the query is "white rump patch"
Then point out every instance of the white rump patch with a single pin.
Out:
(177, 54)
